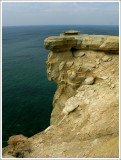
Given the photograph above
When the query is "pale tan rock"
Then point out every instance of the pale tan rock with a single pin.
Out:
(71, 74)
(69, 64)
(89, 65)
(111, 43)
(13, 140)
(71, 105)
(106, 58)
(98, 61)
(112, 85)
(89, 80)
(78, 54)
(71, 32)
(62, 64)
(104, 77)
(92, 42)
(59, 44)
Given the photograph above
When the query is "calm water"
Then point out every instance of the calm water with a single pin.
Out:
(26, 93)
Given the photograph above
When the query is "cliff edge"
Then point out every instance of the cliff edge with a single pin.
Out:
(85, 117)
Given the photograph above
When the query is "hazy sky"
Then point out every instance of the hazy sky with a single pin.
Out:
(40, 13)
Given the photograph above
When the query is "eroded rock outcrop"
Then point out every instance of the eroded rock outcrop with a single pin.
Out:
(84, 120)
(78, 60)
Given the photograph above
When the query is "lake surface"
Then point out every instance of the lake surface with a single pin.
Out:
(26, 93)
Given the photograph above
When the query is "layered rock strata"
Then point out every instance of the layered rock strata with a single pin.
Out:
(84, 120)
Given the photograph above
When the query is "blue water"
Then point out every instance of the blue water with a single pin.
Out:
(26, 93)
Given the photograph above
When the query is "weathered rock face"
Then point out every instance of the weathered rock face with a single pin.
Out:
(76, 61)
(84, 120)
(86, 42)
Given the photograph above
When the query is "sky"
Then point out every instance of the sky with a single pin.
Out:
(60, 13)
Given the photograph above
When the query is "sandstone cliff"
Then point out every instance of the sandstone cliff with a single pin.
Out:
(84, 120)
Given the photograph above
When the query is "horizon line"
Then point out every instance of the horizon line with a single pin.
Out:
(61, 25)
